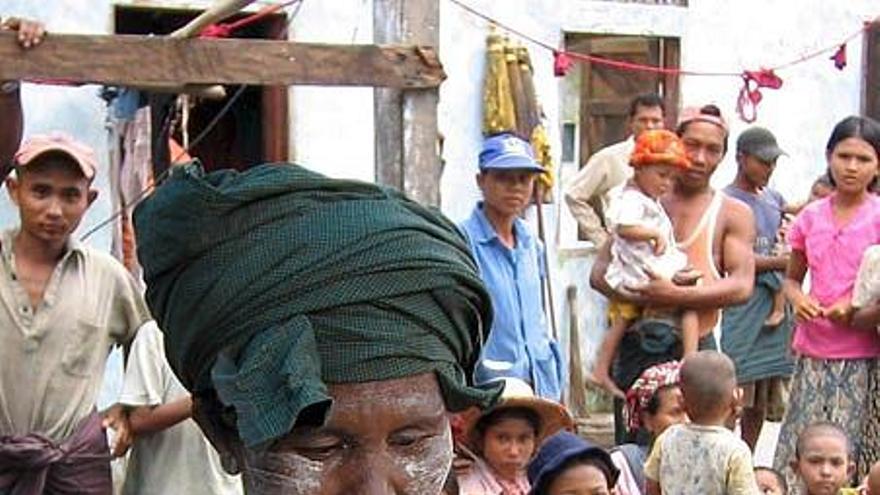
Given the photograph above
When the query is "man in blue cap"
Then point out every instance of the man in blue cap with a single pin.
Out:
(511, 263)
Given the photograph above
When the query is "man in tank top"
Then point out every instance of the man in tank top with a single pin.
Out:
(717, 234)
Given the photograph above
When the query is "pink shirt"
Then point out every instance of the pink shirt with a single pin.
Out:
(834, 254)
(481, 480)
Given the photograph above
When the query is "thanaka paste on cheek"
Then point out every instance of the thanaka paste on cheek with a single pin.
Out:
(427, 467)
(287, 473)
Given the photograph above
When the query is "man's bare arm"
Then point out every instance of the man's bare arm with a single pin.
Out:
(10, 129)
(770, 263)
(579, 196)
(30, 34)
(597, 273)
(739, 269)
(597, 277)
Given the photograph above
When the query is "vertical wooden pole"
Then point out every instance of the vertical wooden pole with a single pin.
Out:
(406, 121)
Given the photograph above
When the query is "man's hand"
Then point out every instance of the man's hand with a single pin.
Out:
(656, 292)
(30, 33)
(117, 419)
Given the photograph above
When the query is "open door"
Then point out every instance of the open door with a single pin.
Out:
(605, 92)
(253, 131)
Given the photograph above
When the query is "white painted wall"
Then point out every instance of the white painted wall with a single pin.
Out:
(332, 128)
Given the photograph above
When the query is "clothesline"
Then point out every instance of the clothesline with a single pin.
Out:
(632, 66)
(749, 96)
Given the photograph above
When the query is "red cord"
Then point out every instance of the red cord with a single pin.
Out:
(225, 30)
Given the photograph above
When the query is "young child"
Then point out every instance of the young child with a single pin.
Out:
(770, 481)
(170, 453)
(644, 243)
(703, 457)
(823, 461)
(567, 464)
(822, 187)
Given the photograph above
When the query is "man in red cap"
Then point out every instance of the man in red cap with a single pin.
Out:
(62, 306)
(715, 231)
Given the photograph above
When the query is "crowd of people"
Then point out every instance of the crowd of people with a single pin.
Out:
(301, 334)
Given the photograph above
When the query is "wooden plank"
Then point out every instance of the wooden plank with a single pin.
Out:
(407, 139)
(144, 61)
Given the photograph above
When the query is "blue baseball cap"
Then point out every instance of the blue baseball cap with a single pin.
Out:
(507, 152)
(557, 451)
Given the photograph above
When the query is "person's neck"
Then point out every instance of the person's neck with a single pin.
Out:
(690, 193)
(844, 200)
(502, 223)
(507, 476)
(744, 184)
(36, 250)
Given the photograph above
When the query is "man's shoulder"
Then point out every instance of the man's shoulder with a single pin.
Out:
(735, 211)
(100, 262)
(616, 150)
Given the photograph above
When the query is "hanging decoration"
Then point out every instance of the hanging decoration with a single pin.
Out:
(753, 80)
(839, 57)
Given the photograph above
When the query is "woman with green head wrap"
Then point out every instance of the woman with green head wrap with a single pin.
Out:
(324, 327)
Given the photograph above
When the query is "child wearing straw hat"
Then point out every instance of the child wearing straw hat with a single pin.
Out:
(502, 440)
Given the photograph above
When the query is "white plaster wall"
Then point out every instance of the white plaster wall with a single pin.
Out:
(724, 36)
(332, 127)
(463, 52)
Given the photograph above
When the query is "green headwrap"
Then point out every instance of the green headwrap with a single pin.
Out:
(272, 282)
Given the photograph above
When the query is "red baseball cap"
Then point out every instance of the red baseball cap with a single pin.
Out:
(36, 146)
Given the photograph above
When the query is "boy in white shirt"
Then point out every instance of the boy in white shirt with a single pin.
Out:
(170, 454)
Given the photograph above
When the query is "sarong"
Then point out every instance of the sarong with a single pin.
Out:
(34, 465)
(833, 390)
(757, 351)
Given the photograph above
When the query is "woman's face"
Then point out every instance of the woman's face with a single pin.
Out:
(671, 411)
(508, 446)
(853, 164)
(385, 437)
(580, 479)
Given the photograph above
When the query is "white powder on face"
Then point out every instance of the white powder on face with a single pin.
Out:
(285, 473)
(427, 468)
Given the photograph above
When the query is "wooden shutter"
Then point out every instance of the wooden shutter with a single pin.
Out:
(871, 83)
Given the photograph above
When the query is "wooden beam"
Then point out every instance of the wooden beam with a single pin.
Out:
(163, 61)
(407, 138)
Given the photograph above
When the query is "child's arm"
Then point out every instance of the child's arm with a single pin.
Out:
(640, 233)
(652, 467)
(690, 332)
(151, 419)
(741, 474)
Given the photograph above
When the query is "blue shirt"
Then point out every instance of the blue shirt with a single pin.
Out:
(518, 344)
(767, 206)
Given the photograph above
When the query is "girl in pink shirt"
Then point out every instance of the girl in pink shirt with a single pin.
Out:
(835, 360)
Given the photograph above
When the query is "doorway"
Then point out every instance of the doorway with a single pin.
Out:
(255, 128)
(605, 92)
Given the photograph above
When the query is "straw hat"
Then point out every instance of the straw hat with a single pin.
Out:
(517, 393)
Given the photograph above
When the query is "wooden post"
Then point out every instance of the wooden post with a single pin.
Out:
(406, 120)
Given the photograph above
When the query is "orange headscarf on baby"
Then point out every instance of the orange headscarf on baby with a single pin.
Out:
(659, 147)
